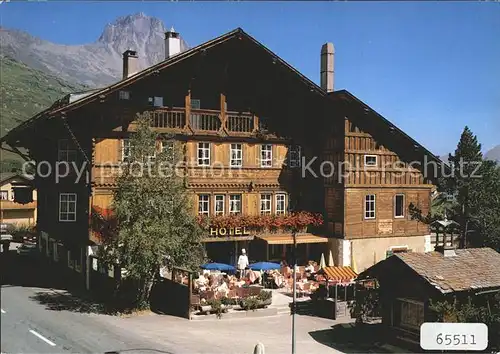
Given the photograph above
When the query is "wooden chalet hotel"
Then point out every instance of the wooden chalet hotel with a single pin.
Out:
(233, 101)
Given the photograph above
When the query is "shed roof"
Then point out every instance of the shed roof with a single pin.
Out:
(470, 269)
(7, 176)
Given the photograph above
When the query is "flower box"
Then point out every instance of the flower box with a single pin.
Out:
(298, 221)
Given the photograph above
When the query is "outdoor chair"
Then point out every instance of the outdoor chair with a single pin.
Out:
(306, 289)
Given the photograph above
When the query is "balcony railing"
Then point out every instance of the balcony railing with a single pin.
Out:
(204, 120)
(175, 118)
(240, 123)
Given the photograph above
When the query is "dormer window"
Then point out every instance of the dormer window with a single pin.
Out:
(195, 104)
(126, 150)
(124, 95)
(371, 160)
(156, 101)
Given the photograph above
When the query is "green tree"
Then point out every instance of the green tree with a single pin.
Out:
(484, 206)
(475, 185)
(465, 180)
(155, 223)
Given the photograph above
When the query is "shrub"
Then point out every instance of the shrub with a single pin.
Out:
(227, 301)
(250, 303)
(265, 295)
(216, 305)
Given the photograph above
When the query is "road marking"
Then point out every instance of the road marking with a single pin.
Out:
(3, 311)
(43, 338)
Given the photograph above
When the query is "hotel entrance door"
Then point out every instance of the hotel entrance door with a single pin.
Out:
(226, 251)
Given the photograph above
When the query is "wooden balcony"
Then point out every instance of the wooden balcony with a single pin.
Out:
(205, 121)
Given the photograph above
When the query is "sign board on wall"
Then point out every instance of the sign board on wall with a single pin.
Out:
(228, 231)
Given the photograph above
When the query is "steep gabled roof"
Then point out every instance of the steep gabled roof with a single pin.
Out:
(62, 106)
(349, 97)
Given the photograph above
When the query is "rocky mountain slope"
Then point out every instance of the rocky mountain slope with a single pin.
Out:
(26, 91)
(493, 154)
(95, 64)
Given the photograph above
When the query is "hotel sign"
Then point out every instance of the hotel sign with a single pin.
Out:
(229, 231)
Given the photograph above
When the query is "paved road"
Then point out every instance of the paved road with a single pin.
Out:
(28, 326)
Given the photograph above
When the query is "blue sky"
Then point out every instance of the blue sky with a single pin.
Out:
(431, 68)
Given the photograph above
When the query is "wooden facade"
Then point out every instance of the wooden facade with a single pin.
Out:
(231, 90)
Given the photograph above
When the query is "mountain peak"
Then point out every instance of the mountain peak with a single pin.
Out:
(139, 25)
(95, 64)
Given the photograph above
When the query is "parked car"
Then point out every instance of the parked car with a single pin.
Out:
(5, 237)
(27, 249)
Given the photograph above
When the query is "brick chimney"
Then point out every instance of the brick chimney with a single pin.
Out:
(172, 43)
(130, 63)
(327, 66)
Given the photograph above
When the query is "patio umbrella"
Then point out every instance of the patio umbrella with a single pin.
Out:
(218, 266)
(264, 266)
(330, 260)
(322, 263)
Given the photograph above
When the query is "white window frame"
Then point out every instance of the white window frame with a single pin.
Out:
(266, 202)
(295, 156)
(237, 160)
(278, 211)
(124, 142)
(374, 211)
(402, 206)
(2, 193)
(217, 199)
(168, 147)
(152, 158)
(371, 165)
(205, 148)
(204, 204)
(238, 201)
(266, 155)
(68, 213)
(67, 153)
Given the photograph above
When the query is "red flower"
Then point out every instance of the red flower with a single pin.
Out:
(297, 220)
